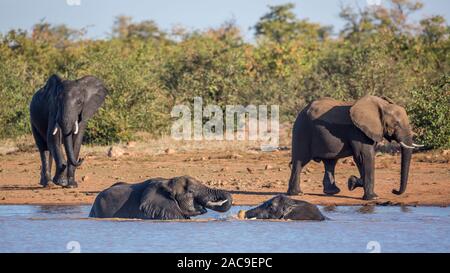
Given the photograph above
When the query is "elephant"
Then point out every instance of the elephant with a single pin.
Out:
(59, 113)
(283, 207)
(160, 199)
(327, 130)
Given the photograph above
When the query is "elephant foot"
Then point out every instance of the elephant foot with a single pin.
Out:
(61, 181)
(354, 182)
(371, 196)
(45, 179)
(47, 183)
(294, 192)
(331, 190)
(43, 182)
(72, 183)
(60, 177)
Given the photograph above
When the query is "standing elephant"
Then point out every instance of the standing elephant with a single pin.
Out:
(283, 207)
(326, 130)
(59, 112)
(158, 198)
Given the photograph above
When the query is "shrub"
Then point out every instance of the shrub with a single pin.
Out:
(291, 63)
(430, 113)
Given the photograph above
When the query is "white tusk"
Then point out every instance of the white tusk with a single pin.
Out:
(218, 203)
(406, 146)
(76, 128)
(55, 130)
(418, 146)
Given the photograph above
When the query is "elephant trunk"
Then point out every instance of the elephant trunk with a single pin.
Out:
(253, 214)
(406, 160)
(261, 212)
(220, 201)
(68, 145)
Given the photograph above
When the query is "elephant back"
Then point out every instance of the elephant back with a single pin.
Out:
(330, 111)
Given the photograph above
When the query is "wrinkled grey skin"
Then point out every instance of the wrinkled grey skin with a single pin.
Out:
(327, 130)
(57, 110)
(159, 198)
(283, 207)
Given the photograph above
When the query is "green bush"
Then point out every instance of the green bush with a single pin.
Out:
(134, 101)
(430, 113)
(14, 97)
(292, 62)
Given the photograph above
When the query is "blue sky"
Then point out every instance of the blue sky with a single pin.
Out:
(98, 15)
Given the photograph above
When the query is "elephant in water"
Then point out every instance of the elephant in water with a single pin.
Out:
(283, 207)
(327, 130)
(59, 113)
(159, 198)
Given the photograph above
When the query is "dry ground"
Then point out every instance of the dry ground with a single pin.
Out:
(251, 175)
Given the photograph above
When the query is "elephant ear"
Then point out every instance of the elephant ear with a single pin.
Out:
(53, 83)
(157, 202)
(304, 212)
(366, 115)
(95, 94)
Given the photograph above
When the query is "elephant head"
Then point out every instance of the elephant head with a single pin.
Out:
(274, 208)
(283, 207)
(182, 196)
(76, 102)
(380, 118)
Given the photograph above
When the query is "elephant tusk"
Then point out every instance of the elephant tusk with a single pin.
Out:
(418, 145)
(406, 146)
(55, 130)
(76, 128)
(218, 203)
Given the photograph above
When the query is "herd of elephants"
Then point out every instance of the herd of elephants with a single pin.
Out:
(325, 130)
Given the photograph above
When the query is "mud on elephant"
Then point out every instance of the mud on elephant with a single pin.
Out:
(326, 130)
(283, 207)
(59, 113)
(159, 198)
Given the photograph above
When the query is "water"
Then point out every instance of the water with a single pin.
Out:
(350, 229)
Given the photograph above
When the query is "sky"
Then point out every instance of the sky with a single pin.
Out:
(98, 15)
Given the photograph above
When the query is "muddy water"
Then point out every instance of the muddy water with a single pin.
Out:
(350, 229)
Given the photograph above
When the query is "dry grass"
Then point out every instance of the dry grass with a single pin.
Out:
(143, 146)
(146, 145)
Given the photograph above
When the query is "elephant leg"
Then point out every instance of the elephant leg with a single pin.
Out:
(294, 180)
(54, 145)
(78, 139)
(329, 183)
(301, 154)
(366, 159)
(353, 181)
(50, 163)
(45, 180)
(46, 176)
